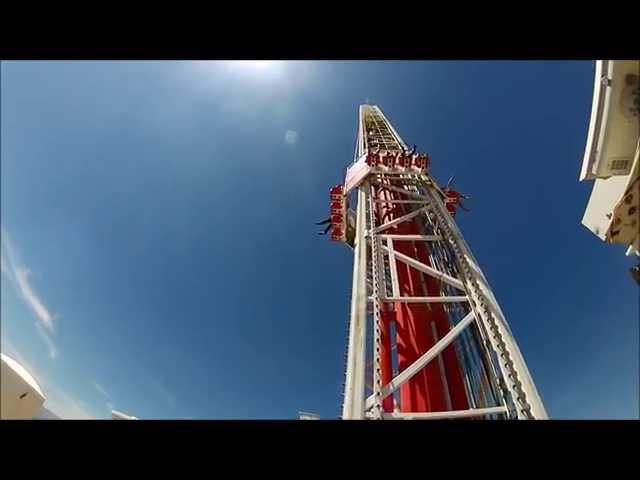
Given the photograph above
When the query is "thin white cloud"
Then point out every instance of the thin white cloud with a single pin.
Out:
(19, 275)
(53, 351)
(291, 137)
(100, 389)
(32, 299)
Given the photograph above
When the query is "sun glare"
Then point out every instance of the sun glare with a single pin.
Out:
(263, 70)
(254, 64)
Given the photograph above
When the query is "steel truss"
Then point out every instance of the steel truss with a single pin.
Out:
(427, 338)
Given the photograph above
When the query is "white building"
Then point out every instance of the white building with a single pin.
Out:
(21, 397)
(611, 158)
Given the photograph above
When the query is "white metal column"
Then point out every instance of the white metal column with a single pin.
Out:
(353, 406)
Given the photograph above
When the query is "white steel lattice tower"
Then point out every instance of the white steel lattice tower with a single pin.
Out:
(427, 338)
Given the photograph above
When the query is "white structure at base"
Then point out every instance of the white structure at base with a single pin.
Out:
(116, 415)
(21, 397)
(611, 156)
(308, 416)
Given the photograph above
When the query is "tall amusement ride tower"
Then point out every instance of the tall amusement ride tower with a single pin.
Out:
(427, 338)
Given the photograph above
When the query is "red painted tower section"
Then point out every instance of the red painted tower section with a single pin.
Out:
(426, 391)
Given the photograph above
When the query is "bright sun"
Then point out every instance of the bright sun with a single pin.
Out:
(255, 64)
(258, 70)
(263, 69)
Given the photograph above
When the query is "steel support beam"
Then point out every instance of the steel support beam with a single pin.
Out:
(409, 238)
(403, 202)
(474, 412)
(401, 190)
(422, 361)
(353, 406)
(395, 285)
(398, 220)
(454, 282)
(401, 299)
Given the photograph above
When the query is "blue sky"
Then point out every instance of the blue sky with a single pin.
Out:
(158, 248)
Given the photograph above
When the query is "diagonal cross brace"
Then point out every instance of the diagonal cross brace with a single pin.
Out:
(472, 412)
(423, 360)
(411, 194)
(398, 220)
(454, 282)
